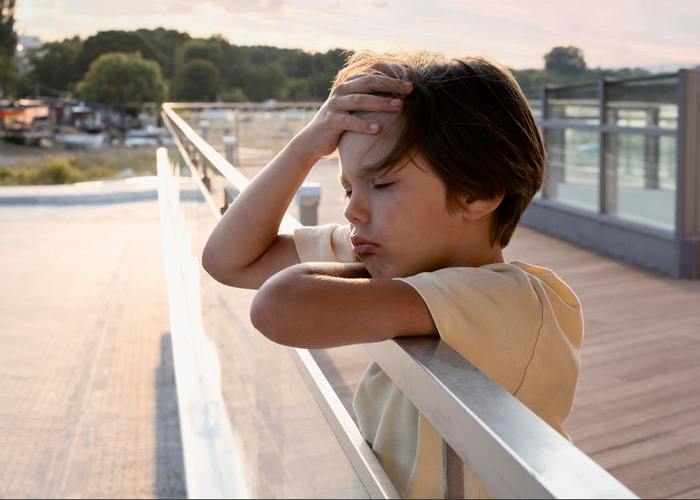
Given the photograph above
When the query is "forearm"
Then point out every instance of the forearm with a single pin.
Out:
(252, 222)
(321, 305)
(296, 306)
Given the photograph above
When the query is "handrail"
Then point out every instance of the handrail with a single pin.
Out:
(514, 452)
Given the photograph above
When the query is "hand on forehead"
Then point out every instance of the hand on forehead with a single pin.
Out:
(359, 151)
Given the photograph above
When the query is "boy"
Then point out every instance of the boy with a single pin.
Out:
(439, 159)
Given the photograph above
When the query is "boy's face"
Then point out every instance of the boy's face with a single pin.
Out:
(401, 225)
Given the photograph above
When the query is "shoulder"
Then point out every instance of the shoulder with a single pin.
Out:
(494, 285)
(325, 243)
(491, 315)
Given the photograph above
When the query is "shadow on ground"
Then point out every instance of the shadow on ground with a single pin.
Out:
(170, 470)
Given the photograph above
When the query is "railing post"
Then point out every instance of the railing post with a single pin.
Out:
(230, 149)
(204, 125)
(453, 472)
(308, 198)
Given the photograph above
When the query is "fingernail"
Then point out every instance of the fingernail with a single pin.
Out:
(374, 127)
(408, 85)
(396, 102)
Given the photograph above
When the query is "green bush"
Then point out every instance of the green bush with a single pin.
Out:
(88, 166)
(6, 176)
(58, 171)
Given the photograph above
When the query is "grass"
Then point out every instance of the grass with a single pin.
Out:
(80, 168)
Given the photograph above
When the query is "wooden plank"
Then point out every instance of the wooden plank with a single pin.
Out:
(637, 411)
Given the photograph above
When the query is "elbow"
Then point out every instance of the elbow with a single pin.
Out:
(210, 263)
(261, 316)
(217, 268)
(265, 314)
(272, 312)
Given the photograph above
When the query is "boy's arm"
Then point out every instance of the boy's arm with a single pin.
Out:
(321, 305)
(245, 249)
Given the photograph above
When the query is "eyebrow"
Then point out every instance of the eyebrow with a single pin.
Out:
(364, 172)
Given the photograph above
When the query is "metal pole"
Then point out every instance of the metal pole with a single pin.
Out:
(308, 198)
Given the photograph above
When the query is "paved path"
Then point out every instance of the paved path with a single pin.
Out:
(87, 396)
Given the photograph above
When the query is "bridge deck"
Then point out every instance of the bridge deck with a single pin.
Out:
(87, 393)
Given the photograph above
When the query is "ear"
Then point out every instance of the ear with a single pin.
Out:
(476, 209)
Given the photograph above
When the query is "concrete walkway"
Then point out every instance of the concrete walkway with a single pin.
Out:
(87, 398)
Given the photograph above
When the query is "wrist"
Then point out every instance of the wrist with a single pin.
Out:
(306, 145)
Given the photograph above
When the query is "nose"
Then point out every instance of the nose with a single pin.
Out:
(356, 211)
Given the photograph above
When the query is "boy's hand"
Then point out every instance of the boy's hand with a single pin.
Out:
(320, 137)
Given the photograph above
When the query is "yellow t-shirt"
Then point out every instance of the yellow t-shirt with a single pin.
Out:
(519, 324)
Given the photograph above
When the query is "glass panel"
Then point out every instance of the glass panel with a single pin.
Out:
(641, 178)
(286, 445)
(643, 103)
(580, 104)
(572, 167)
(534, 98)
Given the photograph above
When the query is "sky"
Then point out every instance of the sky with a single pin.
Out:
(612, 33)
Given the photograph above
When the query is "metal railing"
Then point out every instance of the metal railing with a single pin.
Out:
(513, 452)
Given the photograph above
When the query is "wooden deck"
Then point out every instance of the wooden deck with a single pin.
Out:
(637, 406)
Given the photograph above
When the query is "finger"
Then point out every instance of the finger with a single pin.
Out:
(350, 123)
(366, 102)
(397, 71)
(374, 83)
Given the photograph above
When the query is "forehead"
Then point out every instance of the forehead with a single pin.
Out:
(357, 151)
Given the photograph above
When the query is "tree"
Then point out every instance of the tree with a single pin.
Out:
(208, 50)
(117, 41)
(265, 82)
(197, 80)
(118, 78)
(565, 60)
(167, 42)
(8, 45)
(54, 65)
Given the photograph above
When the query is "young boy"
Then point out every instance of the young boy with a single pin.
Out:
(439, 159)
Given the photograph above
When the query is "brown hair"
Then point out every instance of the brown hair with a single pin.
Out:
(469, 119)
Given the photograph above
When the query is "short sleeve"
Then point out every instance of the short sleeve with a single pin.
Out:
(326, 243)
(491, 315)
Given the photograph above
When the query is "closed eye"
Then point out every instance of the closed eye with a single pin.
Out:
(383, 185)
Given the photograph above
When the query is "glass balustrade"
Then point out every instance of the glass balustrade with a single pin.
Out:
(640, 160)
(641, 180)
(578, 103)
(643, 103)
(573, 167)
(286, 446)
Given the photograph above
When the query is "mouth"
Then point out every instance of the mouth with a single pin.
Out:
(362, 246)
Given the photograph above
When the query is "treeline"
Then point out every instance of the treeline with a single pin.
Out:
(146, 65)
(193, 69)
(568, 65)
